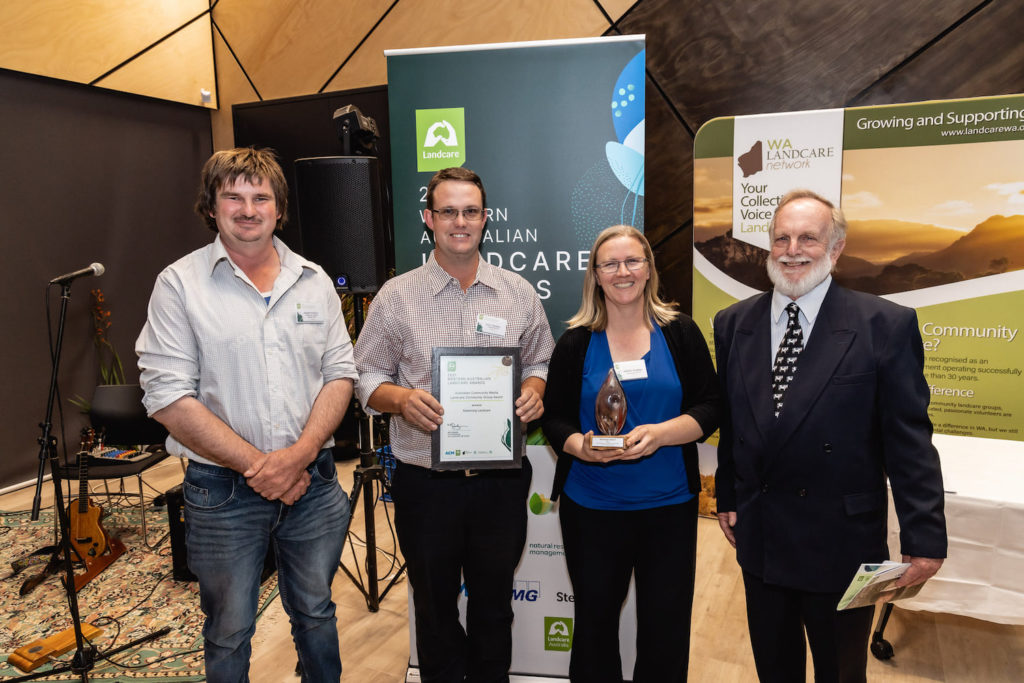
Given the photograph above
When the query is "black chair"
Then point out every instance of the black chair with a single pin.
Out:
(118, 413)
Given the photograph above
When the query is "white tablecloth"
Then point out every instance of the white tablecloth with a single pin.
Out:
(983, 575)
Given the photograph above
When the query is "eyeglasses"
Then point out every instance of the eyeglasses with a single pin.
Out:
(472, 214)
(612, 267)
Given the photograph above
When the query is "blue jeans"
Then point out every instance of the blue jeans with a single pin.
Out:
(228, 529)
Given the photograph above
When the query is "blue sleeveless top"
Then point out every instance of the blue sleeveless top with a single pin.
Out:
(656, 480)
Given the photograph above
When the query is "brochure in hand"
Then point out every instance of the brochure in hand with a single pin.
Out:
(875, 583)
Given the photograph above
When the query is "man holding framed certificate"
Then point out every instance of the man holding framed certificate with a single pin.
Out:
(457, 352)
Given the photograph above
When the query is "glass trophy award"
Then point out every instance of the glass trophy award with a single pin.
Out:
(610, 414)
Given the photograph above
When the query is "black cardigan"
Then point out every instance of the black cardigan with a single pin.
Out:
(565, 379)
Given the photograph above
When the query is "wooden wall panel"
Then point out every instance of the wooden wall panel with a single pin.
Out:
(159, 73)
(674, 257)
(292, 48)
(668, 200)
(430, 23)
(983, 56)
(747, 57)
(80, 40)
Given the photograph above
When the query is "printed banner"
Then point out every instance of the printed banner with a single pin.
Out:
(556, 131)
(542, 595)
(783, 151)
(934, 196)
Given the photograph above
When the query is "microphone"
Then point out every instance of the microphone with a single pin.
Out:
(93, 269)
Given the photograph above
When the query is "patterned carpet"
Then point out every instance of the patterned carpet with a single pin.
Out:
(134, 596)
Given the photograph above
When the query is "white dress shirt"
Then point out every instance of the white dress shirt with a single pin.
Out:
(258, 366)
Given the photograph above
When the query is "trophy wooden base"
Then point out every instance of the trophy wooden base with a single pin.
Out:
(604, 442)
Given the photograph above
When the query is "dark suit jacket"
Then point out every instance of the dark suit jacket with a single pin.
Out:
(809, 488)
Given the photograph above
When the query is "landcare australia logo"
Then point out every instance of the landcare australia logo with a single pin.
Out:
(558, 633)
(440, 138)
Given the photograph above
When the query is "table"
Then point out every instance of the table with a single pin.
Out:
(983, 575)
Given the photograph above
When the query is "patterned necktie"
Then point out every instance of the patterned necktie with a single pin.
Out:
(786, 358)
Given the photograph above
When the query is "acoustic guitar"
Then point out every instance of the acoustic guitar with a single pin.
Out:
(88, 538)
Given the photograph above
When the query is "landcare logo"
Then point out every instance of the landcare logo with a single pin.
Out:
(781, 155)
(558, 633)
(440, 138)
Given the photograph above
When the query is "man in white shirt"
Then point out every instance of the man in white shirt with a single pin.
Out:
(245, 358)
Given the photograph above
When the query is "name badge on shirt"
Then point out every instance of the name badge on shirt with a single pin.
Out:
(631, 369)
(490, 324)
(308, 314)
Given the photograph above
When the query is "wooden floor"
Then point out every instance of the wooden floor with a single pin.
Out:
(375, 646)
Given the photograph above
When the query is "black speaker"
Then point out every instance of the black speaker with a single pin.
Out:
(176, 518)
(341, 219)
(179, 551)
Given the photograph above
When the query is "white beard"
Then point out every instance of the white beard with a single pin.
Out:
(795, 289)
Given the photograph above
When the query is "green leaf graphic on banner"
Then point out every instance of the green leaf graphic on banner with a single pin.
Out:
(539, 503)
(536, 438)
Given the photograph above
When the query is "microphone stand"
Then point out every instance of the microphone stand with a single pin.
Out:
(363, 478)
(86, 653)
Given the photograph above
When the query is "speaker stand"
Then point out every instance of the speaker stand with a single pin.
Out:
(364, 477)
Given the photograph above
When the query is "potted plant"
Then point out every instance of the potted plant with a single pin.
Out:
(110, 367)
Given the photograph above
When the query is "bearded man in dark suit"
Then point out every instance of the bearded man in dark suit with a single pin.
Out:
(825, 401)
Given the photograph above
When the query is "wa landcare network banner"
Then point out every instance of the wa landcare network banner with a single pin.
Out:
(934, 196)
(556, 131)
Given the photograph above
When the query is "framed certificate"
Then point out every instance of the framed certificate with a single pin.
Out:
(477, 386)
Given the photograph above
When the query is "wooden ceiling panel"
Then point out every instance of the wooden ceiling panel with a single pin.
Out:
(292, 48)
(467, 22)
(616, 8)
(668, 199)
(748, 56)
(233, 89)
(80, 40)
(983, 56)
(177, 69)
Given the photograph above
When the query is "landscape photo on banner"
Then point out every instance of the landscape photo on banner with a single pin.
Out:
(934, 196)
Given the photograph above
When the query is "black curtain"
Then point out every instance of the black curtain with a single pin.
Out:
(87, 175)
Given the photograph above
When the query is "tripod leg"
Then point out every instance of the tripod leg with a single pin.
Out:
(373, 597)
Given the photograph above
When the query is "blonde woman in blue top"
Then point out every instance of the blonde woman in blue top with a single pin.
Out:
(631, 511)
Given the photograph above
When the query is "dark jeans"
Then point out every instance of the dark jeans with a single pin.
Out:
(452, 527)
(229, 527)
(603, 549)
(777, 618)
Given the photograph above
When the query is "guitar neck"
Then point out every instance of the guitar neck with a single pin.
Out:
(83, 482)
(88, 438)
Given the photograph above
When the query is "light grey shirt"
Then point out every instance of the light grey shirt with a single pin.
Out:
(257, 366)
(426, 307)
(809, 305)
